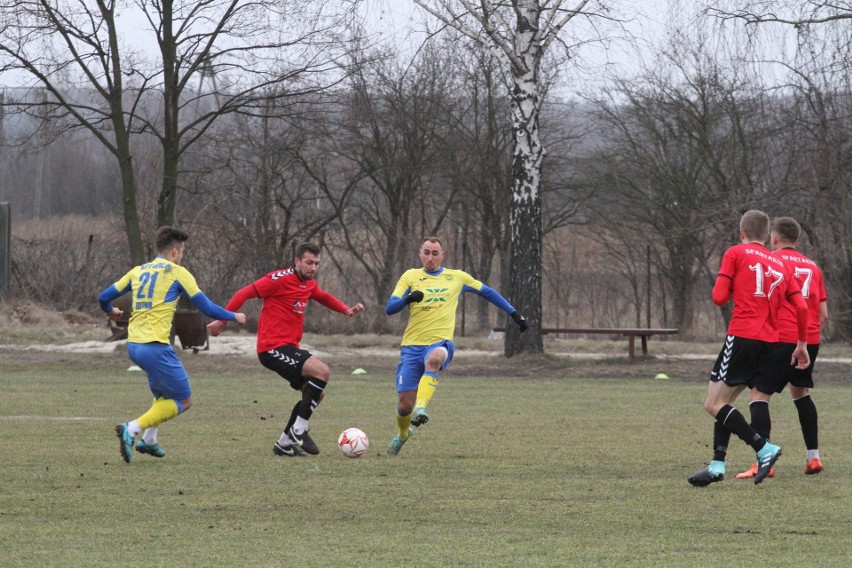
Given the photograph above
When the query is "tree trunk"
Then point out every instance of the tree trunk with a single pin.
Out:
(170, 141)
(525, 213)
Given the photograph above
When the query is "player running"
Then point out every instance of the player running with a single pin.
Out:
(285, 294)
(432, 292)
(155, 288)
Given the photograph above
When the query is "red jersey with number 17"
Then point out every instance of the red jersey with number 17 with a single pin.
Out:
(809, 277)
(285, 299)
(760, 282)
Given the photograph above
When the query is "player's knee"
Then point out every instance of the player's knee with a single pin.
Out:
(405, 408)
(186, 404)
(318, 370)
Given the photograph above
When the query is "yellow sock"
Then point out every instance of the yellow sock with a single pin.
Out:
(403, 423)
(426, 388)
(163, 409)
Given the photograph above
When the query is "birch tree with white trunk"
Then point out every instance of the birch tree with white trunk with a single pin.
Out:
(521, 32)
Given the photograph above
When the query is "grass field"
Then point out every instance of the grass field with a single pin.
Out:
(539, 470)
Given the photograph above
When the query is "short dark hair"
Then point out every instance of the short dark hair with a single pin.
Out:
(755, 225)
(432, 240)
(169, 237)
(787, 228)
(307, 247)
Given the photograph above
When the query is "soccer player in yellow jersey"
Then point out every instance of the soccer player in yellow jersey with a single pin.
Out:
(432, 292)
(155, 288)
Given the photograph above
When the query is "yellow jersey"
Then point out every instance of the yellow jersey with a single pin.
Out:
(433, 319)
(155, 288)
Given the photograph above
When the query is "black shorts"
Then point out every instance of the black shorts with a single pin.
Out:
(784, 372)
(287, 361)
(743, 361)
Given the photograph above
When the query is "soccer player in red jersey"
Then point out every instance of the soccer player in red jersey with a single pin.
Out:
(783, 239)
(285, 295)
(758, 283)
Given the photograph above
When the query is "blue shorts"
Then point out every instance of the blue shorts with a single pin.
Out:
(166, 376)
(412, 363)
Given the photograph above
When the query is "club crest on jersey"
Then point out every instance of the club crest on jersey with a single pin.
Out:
(299, 306)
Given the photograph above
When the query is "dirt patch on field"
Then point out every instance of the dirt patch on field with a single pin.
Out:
(239, 350)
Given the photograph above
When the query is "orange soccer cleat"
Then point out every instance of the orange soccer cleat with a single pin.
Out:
(752, 471)
(813, 467)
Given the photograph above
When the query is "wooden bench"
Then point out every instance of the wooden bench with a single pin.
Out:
(630, 332)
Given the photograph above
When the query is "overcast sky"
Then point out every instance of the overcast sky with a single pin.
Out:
(643, 25)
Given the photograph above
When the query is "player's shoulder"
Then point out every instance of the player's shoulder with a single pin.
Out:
(280, 274)
(455, 273)
(177, 269)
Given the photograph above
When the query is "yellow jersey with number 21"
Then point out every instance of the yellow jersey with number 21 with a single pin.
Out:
(155, 288)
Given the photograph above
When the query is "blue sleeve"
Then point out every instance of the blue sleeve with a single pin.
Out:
(492, 296)
(107, 296)
(210, 309)
(394, 305)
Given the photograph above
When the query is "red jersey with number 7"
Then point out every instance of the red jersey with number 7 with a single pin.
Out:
(761, 282)
(285, 299)
(809, 277)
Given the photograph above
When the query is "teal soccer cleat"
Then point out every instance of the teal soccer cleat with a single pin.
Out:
(766, 458)
(397, 442)
(125, 442)
(151, 449)
(710, 474)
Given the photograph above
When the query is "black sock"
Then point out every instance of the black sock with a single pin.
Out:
(733, 420)
(293, 415)
(721, 438)
(311, 393)
(760, 420)
(808, 420)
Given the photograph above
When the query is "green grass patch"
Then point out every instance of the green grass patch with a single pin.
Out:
(509, 472)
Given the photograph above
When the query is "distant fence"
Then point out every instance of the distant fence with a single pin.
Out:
(5, 245)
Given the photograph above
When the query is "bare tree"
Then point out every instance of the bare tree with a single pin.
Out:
(248, 52)
(790, 12)
(478, 160)
(687, 147)
(520, 32)
(385, 139)
(54, 48)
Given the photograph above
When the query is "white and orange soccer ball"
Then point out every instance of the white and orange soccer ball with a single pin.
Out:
(353, 443)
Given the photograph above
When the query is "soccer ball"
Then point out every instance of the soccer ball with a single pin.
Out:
(353, 443)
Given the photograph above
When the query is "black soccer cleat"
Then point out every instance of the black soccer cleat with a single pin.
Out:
(705, 477)
(304, 441)
(290, 450)
(308, 445)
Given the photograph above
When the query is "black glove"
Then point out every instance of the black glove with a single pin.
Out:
(415, 296)
(519, 319)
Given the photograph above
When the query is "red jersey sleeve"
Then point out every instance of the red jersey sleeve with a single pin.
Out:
(328, 300)
(240, 296)
(722, 290)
